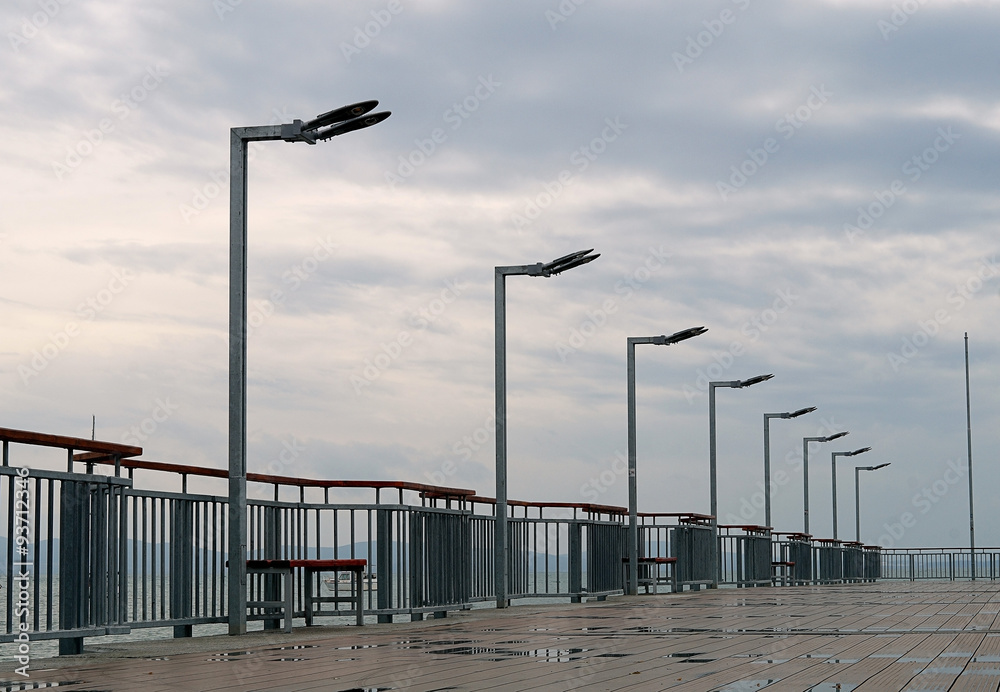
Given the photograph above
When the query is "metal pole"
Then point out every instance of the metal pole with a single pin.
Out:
(237, 550)
(857, 504)
(833, 467)
(805, 486)
(633, 501)
(500, 530)
(968, 418)
(713, 486)
(237, 383)
(767, 470)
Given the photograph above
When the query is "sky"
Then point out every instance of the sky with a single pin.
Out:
(815, 183)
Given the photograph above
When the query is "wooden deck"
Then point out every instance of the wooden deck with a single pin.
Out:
(866, 637)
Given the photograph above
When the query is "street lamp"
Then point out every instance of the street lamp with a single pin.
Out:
(633, 530)
(857, 496)
(805, 474)
(833, 466)
(556, 266)
(735, 384)
(323, 127)
(767, 455)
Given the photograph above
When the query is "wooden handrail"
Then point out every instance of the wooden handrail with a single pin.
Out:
(271, 479)
(106, 449)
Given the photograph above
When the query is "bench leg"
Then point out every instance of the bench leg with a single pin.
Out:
(288, 602)
(360, 598)
(309, 592)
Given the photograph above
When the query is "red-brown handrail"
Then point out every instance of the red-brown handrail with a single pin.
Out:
(105, 449)
(279, 480)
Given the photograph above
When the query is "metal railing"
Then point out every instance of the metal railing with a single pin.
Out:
(745, 555)
(686, 537)
(913, 564)
(90, 554)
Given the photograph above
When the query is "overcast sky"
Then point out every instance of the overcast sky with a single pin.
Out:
(816, 183)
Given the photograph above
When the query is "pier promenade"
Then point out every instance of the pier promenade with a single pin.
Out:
(880, 637)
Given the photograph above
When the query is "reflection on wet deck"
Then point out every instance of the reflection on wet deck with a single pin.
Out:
(866, 637)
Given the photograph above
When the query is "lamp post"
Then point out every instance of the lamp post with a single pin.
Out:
(805, 474)
(857, 496)
(552, 268)
(633, 501)
(833, 467)
(713, 483)
(767, 455)
(323, 127)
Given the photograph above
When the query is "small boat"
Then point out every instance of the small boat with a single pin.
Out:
(343, 581)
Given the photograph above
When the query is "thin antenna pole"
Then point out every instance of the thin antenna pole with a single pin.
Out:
(93, 427)
(968, 418)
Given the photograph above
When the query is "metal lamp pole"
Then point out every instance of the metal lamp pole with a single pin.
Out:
(767, 455)
(553, 268)
(805, 474)
(713, 481)
(857, 496)
(968, 420)
(323, 127)
(833, 466)
(633, 530)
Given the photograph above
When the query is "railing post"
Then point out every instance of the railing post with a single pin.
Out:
(74, 567)
(416, 535)
(181, 563)
(272, 551)
(576, 561)
(382, 567)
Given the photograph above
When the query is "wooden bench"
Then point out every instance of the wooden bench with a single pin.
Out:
(286, 568)
(782, 571)
(649, 572)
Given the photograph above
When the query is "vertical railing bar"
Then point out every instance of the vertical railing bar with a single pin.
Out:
(38, 551)
(49, 569)
(9, 480)
(163, 558)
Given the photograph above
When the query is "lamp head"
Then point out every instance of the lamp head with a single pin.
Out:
(352, 125)
(570, 261)
(683, 335)
(340, 115)
(753, 381)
